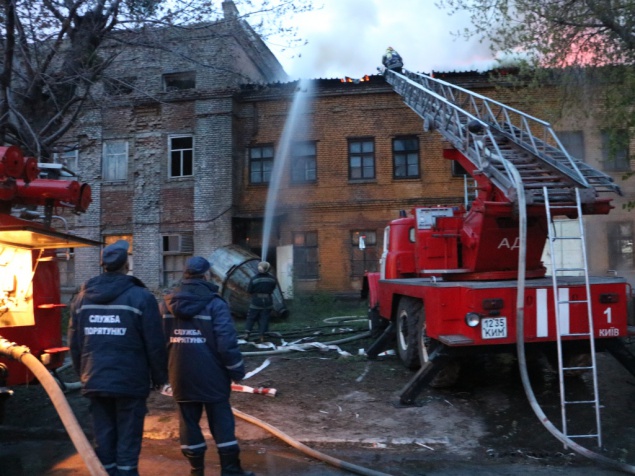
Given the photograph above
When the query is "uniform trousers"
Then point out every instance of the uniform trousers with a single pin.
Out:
(221, 424)
(259, 315)
(118, 430)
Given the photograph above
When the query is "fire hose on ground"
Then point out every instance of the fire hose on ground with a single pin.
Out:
(83, 446)
(302, 346)
(338, 463)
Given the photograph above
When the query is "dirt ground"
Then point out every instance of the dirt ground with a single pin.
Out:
(345, 405)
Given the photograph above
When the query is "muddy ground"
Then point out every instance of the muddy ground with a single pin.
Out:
(348, 407)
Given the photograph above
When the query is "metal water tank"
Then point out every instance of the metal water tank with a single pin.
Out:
(231, 269)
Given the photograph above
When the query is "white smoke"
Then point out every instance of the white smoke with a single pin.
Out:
(348, 38)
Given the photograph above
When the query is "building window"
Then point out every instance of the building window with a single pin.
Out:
(110, 239)
(615, 156)
(115, 161)
(573, 142)
(405, 153)
(361, 159)
(179, 81)
(260, 164)
(620, 241)
(458, 170)
(303, 162)
(181, 156)
(68, 159)
(176, 249)
(305, 255)
(363, 252)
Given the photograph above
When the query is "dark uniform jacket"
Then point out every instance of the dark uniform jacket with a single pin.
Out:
(115, 336)
(261, 286)
(204, 357)
(392, 60)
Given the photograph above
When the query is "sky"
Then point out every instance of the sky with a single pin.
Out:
(349, 37)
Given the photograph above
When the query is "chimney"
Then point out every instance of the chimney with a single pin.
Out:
(229, 10)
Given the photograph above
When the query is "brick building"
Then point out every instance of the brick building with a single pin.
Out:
(157, 148)
(359, 157)
(181, 162)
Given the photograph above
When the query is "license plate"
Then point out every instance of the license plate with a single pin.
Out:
(494, 328)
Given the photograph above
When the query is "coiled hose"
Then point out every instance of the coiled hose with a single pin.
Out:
(82, 445)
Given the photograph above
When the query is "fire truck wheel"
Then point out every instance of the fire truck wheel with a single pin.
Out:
(449, 374)
(408, 314)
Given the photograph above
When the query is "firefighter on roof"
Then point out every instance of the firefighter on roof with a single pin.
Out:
(392, 60)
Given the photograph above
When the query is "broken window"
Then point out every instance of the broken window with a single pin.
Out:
(179, 81)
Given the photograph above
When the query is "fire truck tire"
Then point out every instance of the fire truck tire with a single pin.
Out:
(449, 374)
(408, 313)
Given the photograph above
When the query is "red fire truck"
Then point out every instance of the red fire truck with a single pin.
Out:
(33, 198)
(469, 278)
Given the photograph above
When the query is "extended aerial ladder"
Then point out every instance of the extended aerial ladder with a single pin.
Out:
(523, 158)
(493, 136)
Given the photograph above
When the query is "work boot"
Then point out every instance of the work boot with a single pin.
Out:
(230, 465)
(197, 463)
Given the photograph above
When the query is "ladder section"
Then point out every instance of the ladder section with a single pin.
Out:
(573, 410)
(492, 135)
(470, 191)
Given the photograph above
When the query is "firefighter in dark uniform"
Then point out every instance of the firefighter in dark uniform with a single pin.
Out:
(203, 360)
(392, 60)
(118, 349)
(261, 287)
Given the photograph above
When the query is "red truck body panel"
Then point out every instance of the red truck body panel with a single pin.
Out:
(447, 303)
